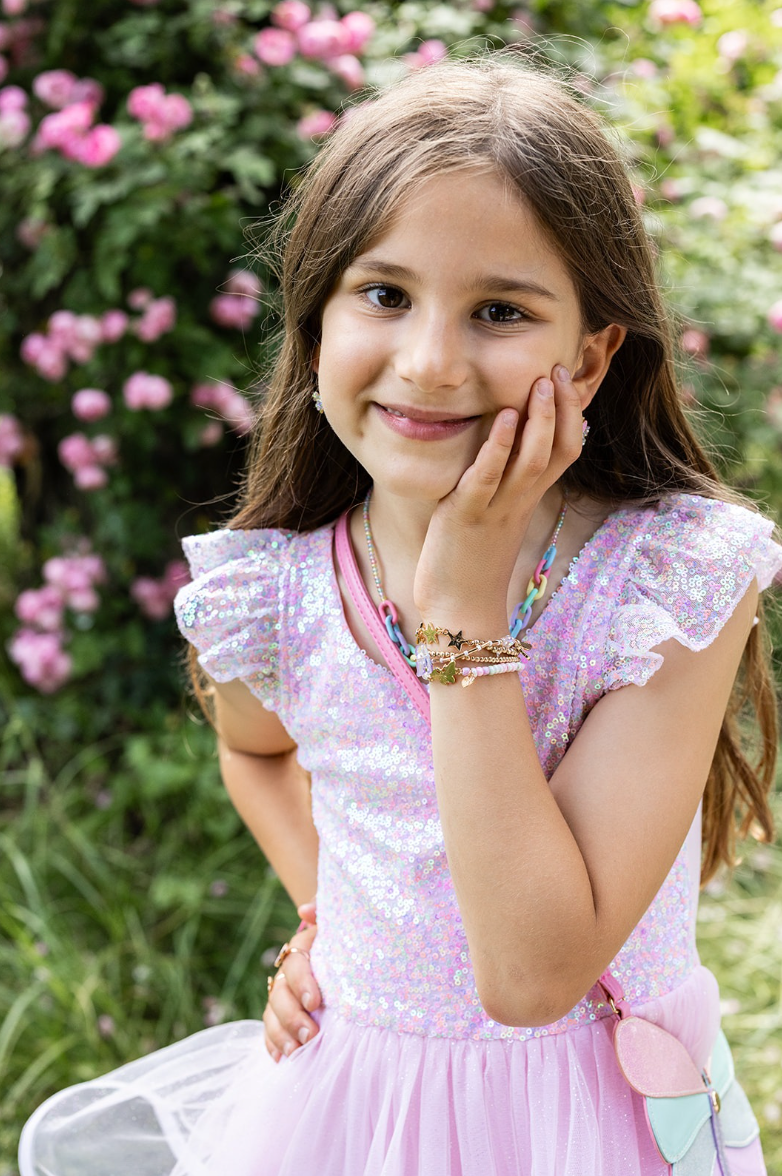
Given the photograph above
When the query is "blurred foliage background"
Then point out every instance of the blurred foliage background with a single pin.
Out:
(138, 144)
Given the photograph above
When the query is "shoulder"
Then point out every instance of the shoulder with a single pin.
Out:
(682, 566)
(232, 609)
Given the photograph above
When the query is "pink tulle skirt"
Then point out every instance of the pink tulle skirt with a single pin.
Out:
(366, 1101)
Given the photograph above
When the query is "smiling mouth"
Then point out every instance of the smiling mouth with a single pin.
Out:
(424, 415)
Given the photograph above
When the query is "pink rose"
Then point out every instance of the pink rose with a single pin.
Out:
(55, 87)
(90, 477)
(14, 127)
(708, 206)
(733, 45)
(675, 12)
(175, 575)
(322, 39)
(33, 347)
(40, 607)
(233, 310)
(158, 318)
(247, 66)
(52, 362)
(671, 189)
(14, 7)
(177, 112)
(145, 102)
(775, 316)
(243, 281)
(275, 46)
(88, 90)
(104, 449)
(99, 146)
(349, 69)
(60, 129)
(85, 335)
(142, 390)
(430, 52)
(358, 28)
(290, 14)
(62, 325)
(90, 404)
(211, 434)
(41, 660)
(230, 404)
(312, 126)
(12, 98)
(151, 597)
(695, 342)
(75, 452)
(11, 440)
(140, 298)
(114, 324)
(642, 67)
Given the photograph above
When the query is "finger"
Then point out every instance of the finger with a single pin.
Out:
(569, 419)
(537, 439)
(307, 912)
(289, 1012)
(478, 484)
(301, 981)
(279, 1042)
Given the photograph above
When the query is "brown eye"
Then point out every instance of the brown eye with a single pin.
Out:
(502, 312)
(385, 297)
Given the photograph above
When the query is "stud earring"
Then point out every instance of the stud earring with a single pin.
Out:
(316, 400)
(584, 432)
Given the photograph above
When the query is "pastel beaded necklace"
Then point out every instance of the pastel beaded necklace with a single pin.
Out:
(536, 588)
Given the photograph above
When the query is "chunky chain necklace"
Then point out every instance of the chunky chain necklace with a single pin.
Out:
(536, 587)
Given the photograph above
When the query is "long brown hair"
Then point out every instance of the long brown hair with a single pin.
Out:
(496, 113)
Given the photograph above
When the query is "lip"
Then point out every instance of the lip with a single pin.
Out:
(420, 424)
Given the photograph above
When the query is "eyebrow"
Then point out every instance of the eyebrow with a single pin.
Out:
(502, 283)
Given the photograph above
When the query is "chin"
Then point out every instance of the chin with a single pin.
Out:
(416, 484)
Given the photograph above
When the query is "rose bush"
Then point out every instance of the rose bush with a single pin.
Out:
(137, 141)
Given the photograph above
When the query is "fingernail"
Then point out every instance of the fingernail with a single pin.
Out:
(304, 1035)
(306, 999)
(545, 388)
(508, 417)
(562, 373)
(276, 1055)
(288, 1048)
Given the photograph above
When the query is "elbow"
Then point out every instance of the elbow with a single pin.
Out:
(526, 1001)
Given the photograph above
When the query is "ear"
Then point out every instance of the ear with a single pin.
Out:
(597, 351)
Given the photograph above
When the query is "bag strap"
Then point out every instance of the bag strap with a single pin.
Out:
(414, 688)
(405, 676)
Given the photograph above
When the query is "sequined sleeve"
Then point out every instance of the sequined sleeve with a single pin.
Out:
(693, 561)
(231, 609)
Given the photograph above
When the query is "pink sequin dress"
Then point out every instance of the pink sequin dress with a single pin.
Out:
(408, 1076)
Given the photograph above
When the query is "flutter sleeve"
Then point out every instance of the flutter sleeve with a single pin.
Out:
(231, 609)
(692, 562)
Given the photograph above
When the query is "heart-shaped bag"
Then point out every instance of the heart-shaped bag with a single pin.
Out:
(694, 1115)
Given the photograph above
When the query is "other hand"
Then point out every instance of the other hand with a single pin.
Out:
(293, 994)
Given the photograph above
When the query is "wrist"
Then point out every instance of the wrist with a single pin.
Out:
(476, 622)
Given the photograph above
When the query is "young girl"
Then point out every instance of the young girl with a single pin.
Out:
(468, 281)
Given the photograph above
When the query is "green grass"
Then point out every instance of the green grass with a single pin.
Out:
(134, 909)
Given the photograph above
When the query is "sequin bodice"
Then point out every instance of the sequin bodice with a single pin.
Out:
(264, 606)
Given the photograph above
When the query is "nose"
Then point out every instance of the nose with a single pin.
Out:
(432, 352)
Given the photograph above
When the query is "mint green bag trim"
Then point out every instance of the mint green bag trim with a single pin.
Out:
(677, 1122)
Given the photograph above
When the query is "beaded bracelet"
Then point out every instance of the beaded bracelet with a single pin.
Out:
(439, 665)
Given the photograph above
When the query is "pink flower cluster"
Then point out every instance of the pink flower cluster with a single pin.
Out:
(667, 12)
(142, 390)
(239, 305)
(11, 440)
(69, 337)
(427, 53)
(87, 457)
(75, 337)
(14, 119)
(160, 113)
(69, 130)
(337, 43)
(223, 399)
(37, 648)
(155, 598)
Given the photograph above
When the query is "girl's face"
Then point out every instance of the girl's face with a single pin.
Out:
(447, 318)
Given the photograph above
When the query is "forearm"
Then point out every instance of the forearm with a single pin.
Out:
(272, 796)
(522, 885)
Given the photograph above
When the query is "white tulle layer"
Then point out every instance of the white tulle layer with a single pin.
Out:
(364, 1101)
